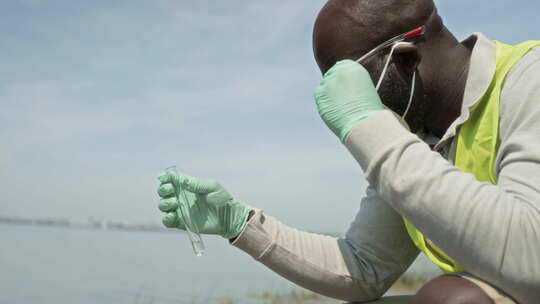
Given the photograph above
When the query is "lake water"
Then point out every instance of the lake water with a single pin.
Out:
(58, 265)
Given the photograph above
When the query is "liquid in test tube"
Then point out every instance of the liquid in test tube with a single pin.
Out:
(185, 213)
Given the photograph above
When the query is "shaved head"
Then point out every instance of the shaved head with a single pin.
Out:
(347, 29)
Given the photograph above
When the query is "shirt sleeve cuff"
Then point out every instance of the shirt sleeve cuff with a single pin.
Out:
(255, 239)
(373, 136)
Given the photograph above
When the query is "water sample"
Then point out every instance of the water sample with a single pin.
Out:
(185, 213)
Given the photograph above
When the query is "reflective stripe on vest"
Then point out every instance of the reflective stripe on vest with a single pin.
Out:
(477, 143)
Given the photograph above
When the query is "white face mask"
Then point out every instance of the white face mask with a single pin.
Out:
(413, 84)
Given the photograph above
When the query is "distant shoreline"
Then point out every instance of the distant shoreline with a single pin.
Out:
(88, 224)
(99, 225)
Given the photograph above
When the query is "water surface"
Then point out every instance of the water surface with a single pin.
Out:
(58, 265)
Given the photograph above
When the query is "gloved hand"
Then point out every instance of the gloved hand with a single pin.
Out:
(346, 96)
(216, 211)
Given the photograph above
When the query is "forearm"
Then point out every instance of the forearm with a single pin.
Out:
(323, 264)
(488, 229)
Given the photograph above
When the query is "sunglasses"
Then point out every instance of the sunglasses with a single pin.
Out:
(420, 31)
(417, 32)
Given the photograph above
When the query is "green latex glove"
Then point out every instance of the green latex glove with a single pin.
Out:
(345, 97)
(216, 211)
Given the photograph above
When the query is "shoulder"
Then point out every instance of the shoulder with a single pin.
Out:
(526, 70)
(520, 96)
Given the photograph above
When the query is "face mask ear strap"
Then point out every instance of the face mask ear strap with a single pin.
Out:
(413, 85)
(386, 67)
(413, 82)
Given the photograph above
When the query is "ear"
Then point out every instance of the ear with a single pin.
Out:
(407, 57)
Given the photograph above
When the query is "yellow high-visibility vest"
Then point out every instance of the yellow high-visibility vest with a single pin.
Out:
(477, 143)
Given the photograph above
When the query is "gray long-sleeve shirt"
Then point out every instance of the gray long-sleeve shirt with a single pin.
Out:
(493, 231)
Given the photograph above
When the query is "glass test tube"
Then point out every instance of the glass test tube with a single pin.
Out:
(184, 213)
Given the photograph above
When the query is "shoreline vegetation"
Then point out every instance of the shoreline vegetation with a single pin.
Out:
(408, 284)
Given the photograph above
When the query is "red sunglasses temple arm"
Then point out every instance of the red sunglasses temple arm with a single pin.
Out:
(410, 34)
(415, 33)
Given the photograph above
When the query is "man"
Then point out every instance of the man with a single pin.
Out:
(463, 187)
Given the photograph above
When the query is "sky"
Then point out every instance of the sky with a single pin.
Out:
(98, 96)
